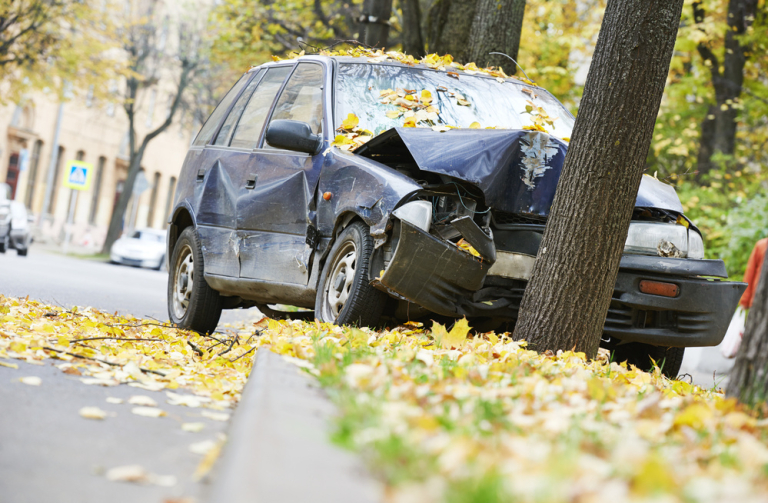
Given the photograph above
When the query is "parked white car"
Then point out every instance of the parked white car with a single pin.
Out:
(15, 228)
(142, 248)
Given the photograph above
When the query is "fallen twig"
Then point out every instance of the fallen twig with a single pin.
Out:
(196, 348)
(116, 339)
(249, 351)
(100, 361)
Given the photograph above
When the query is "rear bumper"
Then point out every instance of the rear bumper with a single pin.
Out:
(448, 281)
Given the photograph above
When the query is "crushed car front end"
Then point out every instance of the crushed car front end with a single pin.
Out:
(465, 244)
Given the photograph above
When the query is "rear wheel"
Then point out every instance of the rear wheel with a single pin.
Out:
(344, 295)
(640, 355)
(22, 252)
(4, 242)
(192, 303)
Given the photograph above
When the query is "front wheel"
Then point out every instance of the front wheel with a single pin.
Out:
(344, 295)
(192, 303)
(643, 355)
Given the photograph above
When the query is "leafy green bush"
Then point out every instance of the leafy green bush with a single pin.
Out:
(731, 210)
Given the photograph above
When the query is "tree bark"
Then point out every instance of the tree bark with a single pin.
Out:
(449, 26)
(413, 42)
(496, 27)
(567, 298)
(374, 31)
(727, 80)
(749, 378)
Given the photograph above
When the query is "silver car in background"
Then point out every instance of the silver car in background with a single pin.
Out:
(15, 223)
(140, 248)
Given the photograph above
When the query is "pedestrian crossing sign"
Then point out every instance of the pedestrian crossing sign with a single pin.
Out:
(78, 175)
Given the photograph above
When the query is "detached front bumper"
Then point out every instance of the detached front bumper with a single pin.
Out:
(445, 280)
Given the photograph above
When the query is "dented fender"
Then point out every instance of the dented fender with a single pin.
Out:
(361, 186)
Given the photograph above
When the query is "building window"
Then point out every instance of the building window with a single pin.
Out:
(96, 190)
(34, 164)
(80, 155)
(153, 200)
(55, 189)
(169, 199)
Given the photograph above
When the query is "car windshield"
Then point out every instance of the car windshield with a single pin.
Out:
(460, 102)
(148, 236)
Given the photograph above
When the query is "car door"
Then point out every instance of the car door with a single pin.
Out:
(213, 167)
(274, 214)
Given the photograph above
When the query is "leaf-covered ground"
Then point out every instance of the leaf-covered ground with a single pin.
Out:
(443, 415)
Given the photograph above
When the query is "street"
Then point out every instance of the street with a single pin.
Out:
(67, 281)
(47, 451)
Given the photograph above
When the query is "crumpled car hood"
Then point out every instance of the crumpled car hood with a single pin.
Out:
(516, 170)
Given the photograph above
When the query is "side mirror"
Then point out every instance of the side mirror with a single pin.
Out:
(293, 135)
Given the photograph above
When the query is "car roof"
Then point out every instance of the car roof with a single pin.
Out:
(388, 62)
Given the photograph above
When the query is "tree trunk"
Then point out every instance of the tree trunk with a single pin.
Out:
(567, 299)
(496, 28)
(449, 26)
(749, 378)
(374, 30)
(706, 143)
(413, 43)
(727, 80)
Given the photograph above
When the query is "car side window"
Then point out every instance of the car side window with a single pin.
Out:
(248, 130)
(206, 132)
(302, 98)
(225, 133)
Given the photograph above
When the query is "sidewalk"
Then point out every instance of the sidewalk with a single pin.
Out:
(707, 366)
(279, 447)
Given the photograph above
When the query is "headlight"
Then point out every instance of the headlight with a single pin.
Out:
(644, 238)
(417, 213)
(695, 245)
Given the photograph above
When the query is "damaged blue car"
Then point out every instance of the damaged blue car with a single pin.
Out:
(310, 186)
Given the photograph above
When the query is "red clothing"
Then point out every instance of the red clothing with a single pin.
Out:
(752, 275)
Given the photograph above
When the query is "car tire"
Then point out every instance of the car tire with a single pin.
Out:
(22, 252)
(346, 299)
(4, 244)
(640, 355)
(192, 304)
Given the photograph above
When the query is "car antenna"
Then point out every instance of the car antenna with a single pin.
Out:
(515, 62)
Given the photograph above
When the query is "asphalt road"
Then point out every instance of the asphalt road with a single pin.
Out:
(68, 281)
(47, 451)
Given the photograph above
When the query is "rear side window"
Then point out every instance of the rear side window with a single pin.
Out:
(206, 132)
(302, 99)
(225, 133)
(251, 123)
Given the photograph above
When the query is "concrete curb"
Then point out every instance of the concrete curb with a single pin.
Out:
(278, 448)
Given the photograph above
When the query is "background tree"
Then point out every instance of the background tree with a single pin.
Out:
(250, 32)
(374, 23)
(470, 29)
(47, 43)
(748, 380)
(413, 41)
(567, 298)
(159, 53)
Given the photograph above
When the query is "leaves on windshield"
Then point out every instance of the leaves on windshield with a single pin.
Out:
(539, 117)
(351, 136)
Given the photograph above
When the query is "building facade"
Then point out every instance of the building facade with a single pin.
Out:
(97, 135)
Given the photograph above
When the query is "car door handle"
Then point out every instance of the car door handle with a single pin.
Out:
(200, 175)
(250, 182)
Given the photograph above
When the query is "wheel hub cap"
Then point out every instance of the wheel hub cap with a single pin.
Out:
(183, 282)
(343, 274)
